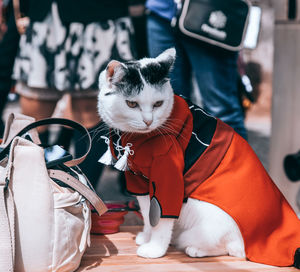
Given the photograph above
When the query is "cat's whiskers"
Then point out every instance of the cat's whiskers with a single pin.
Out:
(96, 131)
(178, 123)
(163, 135)
(99, 138)
(168, 135)
(138, 127)
(170, 129)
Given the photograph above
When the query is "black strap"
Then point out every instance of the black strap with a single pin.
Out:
(54, 121)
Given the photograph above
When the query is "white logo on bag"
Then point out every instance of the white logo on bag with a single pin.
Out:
(217, 19)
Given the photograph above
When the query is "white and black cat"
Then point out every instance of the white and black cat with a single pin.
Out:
(199, 185)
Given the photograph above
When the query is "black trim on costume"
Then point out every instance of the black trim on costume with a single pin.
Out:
(154, 188)
(297, 258)
(204, 127)
(169, 216)
(161, 215)
(137, 194)
(139, 174)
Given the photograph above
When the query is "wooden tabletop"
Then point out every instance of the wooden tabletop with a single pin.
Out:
(117, 253)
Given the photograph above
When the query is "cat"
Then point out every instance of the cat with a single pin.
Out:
(199, 185)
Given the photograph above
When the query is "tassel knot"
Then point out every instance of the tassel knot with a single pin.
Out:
(107, 157)
(122, 162)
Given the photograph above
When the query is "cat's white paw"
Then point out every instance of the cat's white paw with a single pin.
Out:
(142, 238)
(194, 252)
(151, 250)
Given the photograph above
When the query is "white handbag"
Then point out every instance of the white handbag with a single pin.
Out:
(44, 214)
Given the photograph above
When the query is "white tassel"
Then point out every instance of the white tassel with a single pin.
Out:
(122, 162)
(107, 157)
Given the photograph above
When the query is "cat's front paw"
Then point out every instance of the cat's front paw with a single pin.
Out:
(194, 252)
(142, 238)
(151, 250)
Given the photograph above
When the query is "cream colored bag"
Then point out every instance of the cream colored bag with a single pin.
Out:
(43, 226)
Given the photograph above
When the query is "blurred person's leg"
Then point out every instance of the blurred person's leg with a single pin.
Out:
(139, 24)
(38, 109)
(216, 74)
(161, 37)
(8, 50)
(85, 111)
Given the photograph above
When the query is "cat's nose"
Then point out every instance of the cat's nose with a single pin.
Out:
(148, 122)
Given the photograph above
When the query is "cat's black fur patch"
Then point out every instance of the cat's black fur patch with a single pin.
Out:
(297, 258)
(157, 73)
(154, 73)
(131, 83)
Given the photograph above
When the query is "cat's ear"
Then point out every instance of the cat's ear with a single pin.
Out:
(167, 58)
(114, 72)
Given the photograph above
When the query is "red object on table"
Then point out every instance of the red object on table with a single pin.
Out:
(110, 221)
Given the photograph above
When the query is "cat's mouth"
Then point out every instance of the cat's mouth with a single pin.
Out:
(140, 129)
(144, 130)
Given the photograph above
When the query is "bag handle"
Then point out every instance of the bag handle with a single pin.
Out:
(75, 184)
(7, 237)
(55, 121)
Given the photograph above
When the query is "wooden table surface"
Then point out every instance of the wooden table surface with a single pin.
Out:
(117, 253)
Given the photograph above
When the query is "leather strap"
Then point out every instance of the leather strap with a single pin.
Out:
(55, 121)
(75, 184)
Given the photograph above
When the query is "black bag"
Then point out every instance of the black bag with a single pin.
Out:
(219, 22)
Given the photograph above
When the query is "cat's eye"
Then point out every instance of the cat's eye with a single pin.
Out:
(131, 104)
(158, 104)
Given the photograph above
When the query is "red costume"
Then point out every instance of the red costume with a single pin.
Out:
(205, 159)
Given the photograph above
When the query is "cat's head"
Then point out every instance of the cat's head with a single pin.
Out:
(137, 96)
